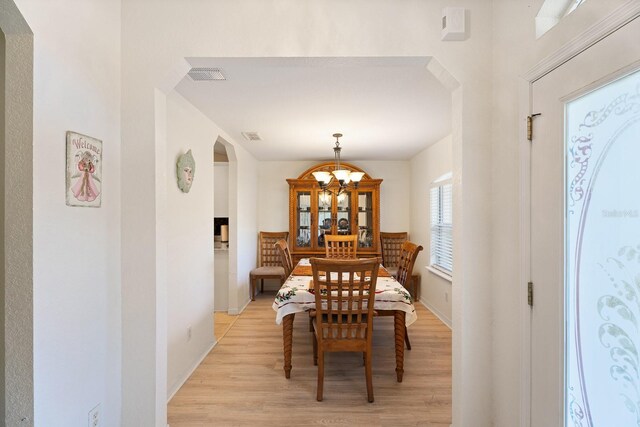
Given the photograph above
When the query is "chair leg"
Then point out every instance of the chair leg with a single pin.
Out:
(406, 338)
(315, 350)
(320, 375)
(369, 375)
(262, 286)
(252, 288)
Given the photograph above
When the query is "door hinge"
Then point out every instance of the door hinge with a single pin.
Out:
(530, 126)
(530, 293)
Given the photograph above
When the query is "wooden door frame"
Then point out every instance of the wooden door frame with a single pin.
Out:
(597, 32)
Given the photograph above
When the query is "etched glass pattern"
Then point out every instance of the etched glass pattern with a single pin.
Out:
(602, 247)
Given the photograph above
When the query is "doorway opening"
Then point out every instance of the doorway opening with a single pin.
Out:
(272, 192)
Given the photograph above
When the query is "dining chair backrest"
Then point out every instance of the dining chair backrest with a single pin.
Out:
(268, 255)
(269, 262)
(285, 256)
(391, 245)
(341, 246)
(408, 255)
(345, 292)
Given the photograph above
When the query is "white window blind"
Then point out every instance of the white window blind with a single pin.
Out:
(442, 226)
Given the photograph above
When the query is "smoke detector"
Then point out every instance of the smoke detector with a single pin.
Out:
(252, 136)
(206, 74)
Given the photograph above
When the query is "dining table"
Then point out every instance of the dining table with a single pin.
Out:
(296, 296)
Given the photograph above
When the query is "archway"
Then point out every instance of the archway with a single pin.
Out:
(449, 82)
(473, 312)
(227, 288)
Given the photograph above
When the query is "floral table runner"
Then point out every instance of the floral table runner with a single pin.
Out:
(305, 270)
(294, 296)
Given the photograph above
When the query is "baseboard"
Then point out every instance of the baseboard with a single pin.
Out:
(234, 312)
(186, 377)
(444, 319)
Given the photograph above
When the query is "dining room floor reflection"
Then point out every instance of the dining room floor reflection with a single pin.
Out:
(242, 382)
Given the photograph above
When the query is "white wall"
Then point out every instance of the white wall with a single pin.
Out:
(189, 237)
(394, 191)
(426, 167)
(243, 232)
(273, 192)
(77, 323)
(190, 272)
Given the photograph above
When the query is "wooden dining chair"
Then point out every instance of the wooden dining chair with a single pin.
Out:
(408, 255)
(341, 246)
(344, 293)
(391, 246)
(269, 262)
(285, 256)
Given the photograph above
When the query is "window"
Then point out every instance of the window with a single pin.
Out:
(442, 224)
(573, 5)
(552, 11)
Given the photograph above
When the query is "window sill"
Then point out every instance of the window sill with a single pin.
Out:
(439, 273)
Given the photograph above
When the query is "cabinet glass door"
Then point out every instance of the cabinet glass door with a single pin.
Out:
(303, 220)
(365, 219)
(344, 213)
(325, 214)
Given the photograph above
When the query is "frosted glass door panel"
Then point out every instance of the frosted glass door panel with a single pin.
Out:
(584, 235)
(602, 211)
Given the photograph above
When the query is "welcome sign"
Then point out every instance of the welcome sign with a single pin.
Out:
(84, 170)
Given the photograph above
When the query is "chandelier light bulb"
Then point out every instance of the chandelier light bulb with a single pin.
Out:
(356, 176)
(322, 177)
(341, 175)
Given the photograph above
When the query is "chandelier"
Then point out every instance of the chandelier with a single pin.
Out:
(343, 176)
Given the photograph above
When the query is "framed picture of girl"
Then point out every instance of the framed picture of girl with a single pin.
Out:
(84, 170)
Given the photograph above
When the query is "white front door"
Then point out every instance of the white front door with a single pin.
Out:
(585, 238)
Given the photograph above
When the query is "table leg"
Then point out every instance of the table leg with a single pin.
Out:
(399, 330)
(287, 339)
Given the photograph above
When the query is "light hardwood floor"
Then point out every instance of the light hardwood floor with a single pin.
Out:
(223, 323)
(241, 382)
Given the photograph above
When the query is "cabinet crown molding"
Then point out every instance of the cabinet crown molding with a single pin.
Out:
(330, 167)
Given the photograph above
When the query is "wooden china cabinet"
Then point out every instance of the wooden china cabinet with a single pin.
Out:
(314, 213)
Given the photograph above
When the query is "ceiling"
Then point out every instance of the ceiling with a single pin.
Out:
(387, 108)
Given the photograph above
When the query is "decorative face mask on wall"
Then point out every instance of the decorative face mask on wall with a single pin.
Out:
(186, 169)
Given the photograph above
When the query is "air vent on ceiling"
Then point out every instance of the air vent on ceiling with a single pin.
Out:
(206, 73)
(251, 136)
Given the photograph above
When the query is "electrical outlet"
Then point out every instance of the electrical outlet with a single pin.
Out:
(446, 296)
(189, 333)
(94, 416)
